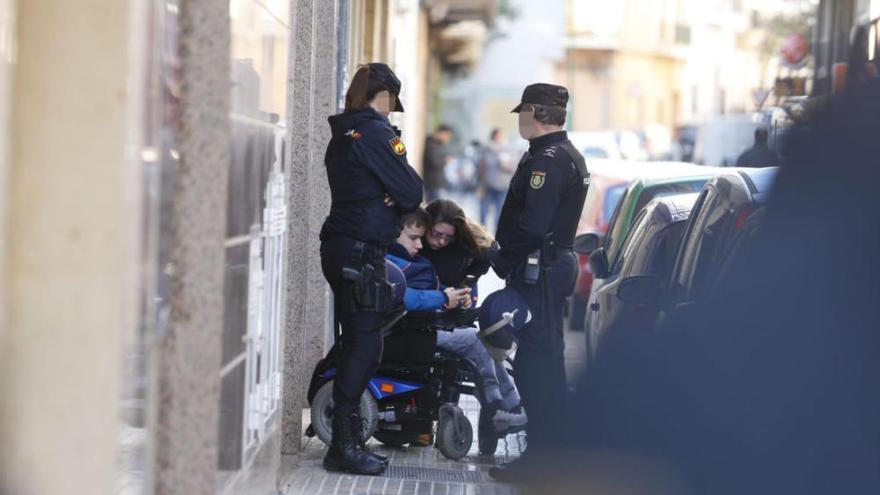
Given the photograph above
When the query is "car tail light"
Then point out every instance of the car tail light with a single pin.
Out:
(584, 261)
(743, 216)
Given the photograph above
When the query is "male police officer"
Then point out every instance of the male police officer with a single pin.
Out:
(536, 233)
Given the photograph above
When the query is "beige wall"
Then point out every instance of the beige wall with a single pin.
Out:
(620, 89)
(643, 90)
(69, 250)
(7, 66)
(396, 33)
(630, 77)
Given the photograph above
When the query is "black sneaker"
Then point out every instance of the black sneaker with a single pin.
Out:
(486, 422)
(507, 421)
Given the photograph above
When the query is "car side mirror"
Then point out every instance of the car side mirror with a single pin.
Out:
(640, 289)
(587, 243)
(599, 263)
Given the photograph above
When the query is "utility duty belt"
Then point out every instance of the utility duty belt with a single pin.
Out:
(367, 288)
(539, 260)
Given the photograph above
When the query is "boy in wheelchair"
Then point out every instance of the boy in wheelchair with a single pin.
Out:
(500, 408)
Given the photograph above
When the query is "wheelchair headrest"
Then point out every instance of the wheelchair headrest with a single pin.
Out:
(502, 314)
(394, 275)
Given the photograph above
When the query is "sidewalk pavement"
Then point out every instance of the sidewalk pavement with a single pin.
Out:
(413, 470)
(420, 470)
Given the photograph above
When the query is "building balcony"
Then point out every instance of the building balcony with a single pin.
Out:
(452, 11)
(459, 29)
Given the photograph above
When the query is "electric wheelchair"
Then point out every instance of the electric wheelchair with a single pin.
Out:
(415, 386)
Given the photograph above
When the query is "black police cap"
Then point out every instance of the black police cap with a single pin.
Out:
(549, 95)
(385, 76)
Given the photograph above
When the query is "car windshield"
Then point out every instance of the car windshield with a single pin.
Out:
(612, 199)
(621, 220)
(662, 190)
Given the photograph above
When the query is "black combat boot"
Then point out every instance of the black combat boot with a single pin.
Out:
(357, 426)
(345, 453)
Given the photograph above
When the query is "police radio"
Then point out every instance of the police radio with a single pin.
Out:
(532, 270)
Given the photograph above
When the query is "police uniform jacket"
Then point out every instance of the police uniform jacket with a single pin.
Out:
(365, 161)
(546, 196)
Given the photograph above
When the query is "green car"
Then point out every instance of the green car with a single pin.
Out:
(639, 193)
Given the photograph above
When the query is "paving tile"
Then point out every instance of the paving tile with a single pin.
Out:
(308, 477)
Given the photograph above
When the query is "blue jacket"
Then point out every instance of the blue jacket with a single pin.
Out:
(424, 292)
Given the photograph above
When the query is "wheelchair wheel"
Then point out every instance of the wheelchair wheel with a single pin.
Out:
(454, 432)
(322, 413)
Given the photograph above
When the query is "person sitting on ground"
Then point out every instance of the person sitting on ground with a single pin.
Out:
(425, 292)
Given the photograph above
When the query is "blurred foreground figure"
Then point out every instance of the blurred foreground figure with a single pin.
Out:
(773, 388)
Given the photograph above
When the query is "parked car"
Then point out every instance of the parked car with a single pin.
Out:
(652, 180)
(609, 180)
(725, 219)
(596, 144)
(649, 250)
(723, 222)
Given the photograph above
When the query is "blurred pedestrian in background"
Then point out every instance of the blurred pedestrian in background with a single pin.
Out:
(760, 154)
(437, 156)
(495, 169)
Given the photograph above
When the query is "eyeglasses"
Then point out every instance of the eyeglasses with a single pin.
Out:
(440, 236)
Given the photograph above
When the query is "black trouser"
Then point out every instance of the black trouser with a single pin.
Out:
(360, 346)
(539, 363)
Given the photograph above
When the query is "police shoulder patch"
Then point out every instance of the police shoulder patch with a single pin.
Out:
(537, 181)
(397, 146)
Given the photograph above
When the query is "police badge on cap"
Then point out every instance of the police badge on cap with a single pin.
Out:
(549, 95)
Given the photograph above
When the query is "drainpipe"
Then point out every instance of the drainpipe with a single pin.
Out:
(342, 40)
(343, 30)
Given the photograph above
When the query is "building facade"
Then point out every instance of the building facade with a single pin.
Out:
(163, 186)
(671, 62)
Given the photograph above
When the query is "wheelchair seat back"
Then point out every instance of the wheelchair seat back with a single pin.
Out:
(413, 339)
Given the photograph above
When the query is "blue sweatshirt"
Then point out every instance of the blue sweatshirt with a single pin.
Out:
(424, 292)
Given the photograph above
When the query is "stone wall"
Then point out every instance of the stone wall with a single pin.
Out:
(311, 99)
(186, 396)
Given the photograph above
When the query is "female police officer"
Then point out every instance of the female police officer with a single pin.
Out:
(371, 185)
